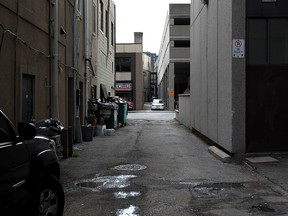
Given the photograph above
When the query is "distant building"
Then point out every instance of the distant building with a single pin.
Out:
(173, 63)
(129, 71)
(153, 57)
(153, 93)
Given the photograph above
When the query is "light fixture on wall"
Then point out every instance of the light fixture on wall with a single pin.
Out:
(204, 1)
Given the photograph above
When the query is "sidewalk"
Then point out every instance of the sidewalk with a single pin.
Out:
(275, 174)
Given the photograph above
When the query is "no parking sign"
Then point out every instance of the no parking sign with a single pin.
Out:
(238, 48)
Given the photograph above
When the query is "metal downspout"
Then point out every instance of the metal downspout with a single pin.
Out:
(54, 60)
(86, 56)
(75, 65)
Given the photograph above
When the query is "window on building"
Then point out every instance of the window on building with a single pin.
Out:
(94, 18)
(182, 21)
(267, 41)
(182, 43)
(107, 24)
(123, 64)
(101, 16)
(112, 34)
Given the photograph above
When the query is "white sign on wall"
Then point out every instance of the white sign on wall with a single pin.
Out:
(238, 48)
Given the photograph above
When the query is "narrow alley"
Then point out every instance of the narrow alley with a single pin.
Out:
(156, 166)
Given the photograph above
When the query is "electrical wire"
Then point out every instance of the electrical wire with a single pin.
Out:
(39, 52)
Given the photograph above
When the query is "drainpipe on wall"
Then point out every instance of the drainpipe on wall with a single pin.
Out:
(54, 112)
(86, 56)
(74, 63)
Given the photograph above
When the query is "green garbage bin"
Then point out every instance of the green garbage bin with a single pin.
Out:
(122, 113)
(110, 117)
(108, 112)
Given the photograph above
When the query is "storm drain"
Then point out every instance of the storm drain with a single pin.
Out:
(130, 167)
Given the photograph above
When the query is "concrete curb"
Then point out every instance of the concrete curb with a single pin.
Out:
(225, 158)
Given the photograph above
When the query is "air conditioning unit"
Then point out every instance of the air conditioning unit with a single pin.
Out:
(204, 1)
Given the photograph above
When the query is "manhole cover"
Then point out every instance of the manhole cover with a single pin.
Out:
(130, 167)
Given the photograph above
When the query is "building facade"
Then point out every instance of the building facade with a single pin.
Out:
(55, 57)
(129, 71)
(35, 59)
(173, 63)
(239, 65)
(95, 54)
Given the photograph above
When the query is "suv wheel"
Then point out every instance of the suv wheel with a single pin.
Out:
(51, 201)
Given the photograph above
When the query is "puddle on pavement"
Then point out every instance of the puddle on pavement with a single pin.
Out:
(214, 189)
(130, 211)
(89, 184)
(130, 167)
(106, 182)
(263, 208)
(126, 195)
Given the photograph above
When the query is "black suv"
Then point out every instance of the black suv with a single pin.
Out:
(29, 172)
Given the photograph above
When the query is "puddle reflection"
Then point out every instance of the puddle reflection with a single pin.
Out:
(106, 182)
(130, 211)
(126, 195)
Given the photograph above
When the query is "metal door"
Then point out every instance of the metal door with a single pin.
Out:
(27, 98)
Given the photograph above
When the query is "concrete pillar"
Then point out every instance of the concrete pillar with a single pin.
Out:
(171, 90)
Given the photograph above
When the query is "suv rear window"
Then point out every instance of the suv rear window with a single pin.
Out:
(5, 131)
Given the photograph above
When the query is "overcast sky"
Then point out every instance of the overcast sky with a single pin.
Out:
(147, 16)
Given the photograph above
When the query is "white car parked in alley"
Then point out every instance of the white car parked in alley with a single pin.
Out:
(157, 104)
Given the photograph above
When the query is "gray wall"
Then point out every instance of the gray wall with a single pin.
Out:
(184, 113)
(217, 80)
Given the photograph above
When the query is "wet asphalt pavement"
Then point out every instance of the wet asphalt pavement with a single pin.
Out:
(156, 166)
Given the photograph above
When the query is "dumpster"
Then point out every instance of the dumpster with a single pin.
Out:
(109, 112)
(122, 113)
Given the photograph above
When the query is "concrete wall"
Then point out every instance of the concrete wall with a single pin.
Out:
(184, 111)
(218, 80)
(31, 24)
